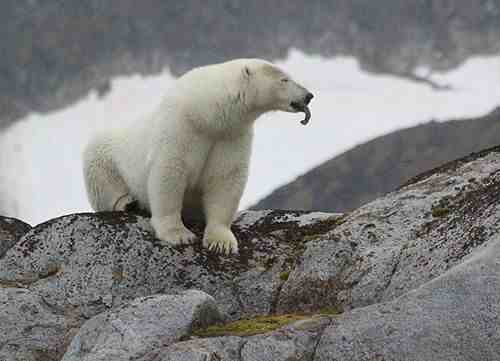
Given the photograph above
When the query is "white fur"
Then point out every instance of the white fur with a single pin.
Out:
(192, 154)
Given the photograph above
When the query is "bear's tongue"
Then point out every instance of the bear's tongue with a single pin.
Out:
(307, 112)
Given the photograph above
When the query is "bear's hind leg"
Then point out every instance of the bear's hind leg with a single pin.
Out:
(106, 189)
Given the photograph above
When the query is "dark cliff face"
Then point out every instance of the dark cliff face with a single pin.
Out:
(53, 52)
(381, 165)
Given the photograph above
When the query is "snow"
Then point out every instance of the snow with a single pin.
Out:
(41, 155)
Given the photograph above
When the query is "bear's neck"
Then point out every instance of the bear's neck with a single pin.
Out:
(225, 124)
(232, 116)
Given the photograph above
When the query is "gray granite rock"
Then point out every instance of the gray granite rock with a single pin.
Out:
(133, 330)
(455, 317)
(416, 272)
(297, 342)
(11, 230)
(89, 263)
(208, 349)
(30, 329)
(400, 241)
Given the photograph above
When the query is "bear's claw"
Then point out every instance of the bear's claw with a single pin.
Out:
(223, 247)
(220, 240)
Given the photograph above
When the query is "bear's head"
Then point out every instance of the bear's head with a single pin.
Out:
(273, 89)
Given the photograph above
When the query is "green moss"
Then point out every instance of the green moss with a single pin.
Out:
(330, 311)
(439, 212)
(284, 276)
(332, 222)
(249, 327)
(261, 324)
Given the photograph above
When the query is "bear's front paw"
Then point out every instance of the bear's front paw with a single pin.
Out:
(176, 236)
(172, 235)
(220, 239)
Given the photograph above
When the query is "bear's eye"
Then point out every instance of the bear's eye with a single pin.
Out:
(284, 80)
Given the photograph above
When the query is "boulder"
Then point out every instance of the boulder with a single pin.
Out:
(30, 329)
(297, 342)
(209, 349)
(454, 317)
(132, 331)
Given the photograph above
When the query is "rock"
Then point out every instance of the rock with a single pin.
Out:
(209, 349)
(401, 241)
(454, 317)
(31, 330)
(89, 263)
(295, 342)
(131, 331)
(416, 272)
(11, 230)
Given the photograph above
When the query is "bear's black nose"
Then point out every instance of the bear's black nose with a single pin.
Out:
(308, 98)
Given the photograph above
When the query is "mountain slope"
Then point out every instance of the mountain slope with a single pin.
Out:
(381, 165)
(54, 52)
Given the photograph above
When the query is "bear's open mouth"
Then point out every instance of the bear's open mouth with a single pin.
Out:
(301, 107)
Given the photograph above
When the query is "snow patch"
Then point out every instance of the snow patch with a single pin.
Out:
(41, 156)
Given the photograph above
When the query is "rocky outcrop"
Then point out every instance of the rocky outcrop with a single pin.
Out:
(53, 53)
(298, 341)
(11, 230)
(370, 170)
(401, 241)
(30, 328)
(89, 263)
(453, 317)
(416, 274)
(133, 330)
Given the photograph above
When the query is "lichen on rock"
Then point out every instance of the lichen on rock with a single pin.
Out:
(399, 278)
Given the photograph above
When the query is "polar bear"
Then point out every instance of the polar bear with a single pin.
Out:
(191, 155)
